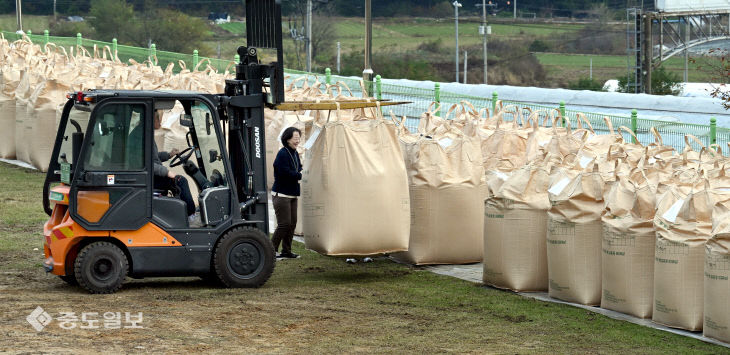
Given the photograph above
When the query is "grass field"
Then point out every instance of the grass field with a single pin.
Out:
(37, 24)
(608, 66)
(314, 304)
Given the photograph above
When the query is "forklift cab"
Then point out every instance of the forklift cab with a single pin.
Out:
(101, 181)
(113, 178)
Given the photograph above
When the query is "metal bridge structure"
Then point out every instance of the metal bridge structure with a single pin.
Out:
(652, 37)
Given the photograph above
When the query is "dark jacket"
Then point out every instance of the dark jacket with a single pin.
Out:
(287, 172)
(157, 159)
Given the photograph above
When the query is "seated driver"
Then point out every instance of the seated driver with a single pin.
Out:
(165, 179)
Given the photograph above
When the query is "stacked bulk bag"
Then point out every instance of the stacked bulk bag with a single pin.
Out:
(22, 119)
(565, 142)
(46, 99)
(716, 320)
(628, 246)
(574, 234)
(515, 229)
(541, 134)
(600, 143)
(23, 59)
(355, 187)
(43, 103)
(506, 147)
(445, 177)
(9, 79)
(683, 224)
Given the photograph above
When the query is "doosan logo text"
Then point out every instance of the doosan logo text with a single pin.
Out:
(257, 141)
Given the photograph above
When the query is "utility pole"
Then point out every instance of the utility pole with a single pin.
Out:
(515, 9)
(54, 10)
(367, 73)
(457, 5)
(18, 10)
(484, 40)
(309, 36)
(465, 53)
(686, 52)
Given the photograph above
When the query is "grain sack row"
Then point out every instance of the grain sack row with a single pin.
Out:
(596, 220)
(34, 82)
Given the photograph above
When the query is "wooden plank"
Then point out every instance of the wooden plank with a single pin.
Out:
(332, 105)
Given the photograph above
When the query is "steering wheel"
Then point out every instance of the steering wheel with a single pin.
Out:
(182, 157)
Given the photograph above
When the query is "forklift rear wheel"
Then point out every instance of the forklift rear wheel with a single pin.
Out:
(101, 267)
(244, 257)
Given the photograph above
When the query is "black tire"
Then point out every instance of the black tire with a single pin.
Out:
(210, 279)
(101, 267)
(244, 257)
(69, 279)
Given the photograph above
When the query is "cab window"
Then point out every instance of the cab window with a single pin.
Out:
(117, 139)
(212, 156)
(66, 151)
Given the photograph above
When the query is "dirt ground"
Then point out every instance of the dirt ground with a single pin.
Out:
(179, 315)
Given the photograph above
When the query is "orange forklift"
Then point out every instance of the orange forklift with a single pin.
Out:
(108, 222)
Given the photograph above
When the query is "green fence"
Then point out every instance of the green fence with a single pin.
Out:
(420, 99)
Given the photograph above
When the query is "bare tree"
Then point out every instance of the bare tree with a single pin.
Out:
(323, 35)
(322, 27)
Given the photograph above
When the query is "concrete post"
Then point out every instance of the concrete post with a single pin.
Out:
(562, 112)
(153, 51)
(79, 39)
(328, 76)
(378, 88)
(437, 96)
(713, 130)
(495, 97)
(46, 37)
(195, 58)
(114, 49)
(465, 61)
(338, 57)
(634, 123)
(367, 73)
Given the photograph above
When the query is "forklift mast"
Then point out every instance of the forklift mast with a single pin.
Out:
(242, 105)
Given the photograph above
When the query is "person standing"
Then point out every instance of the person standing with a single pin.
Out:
(286, 191)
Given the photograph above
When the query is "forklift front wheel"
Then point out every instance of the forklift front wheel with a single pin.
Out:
(101, 267)
(244, 257)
